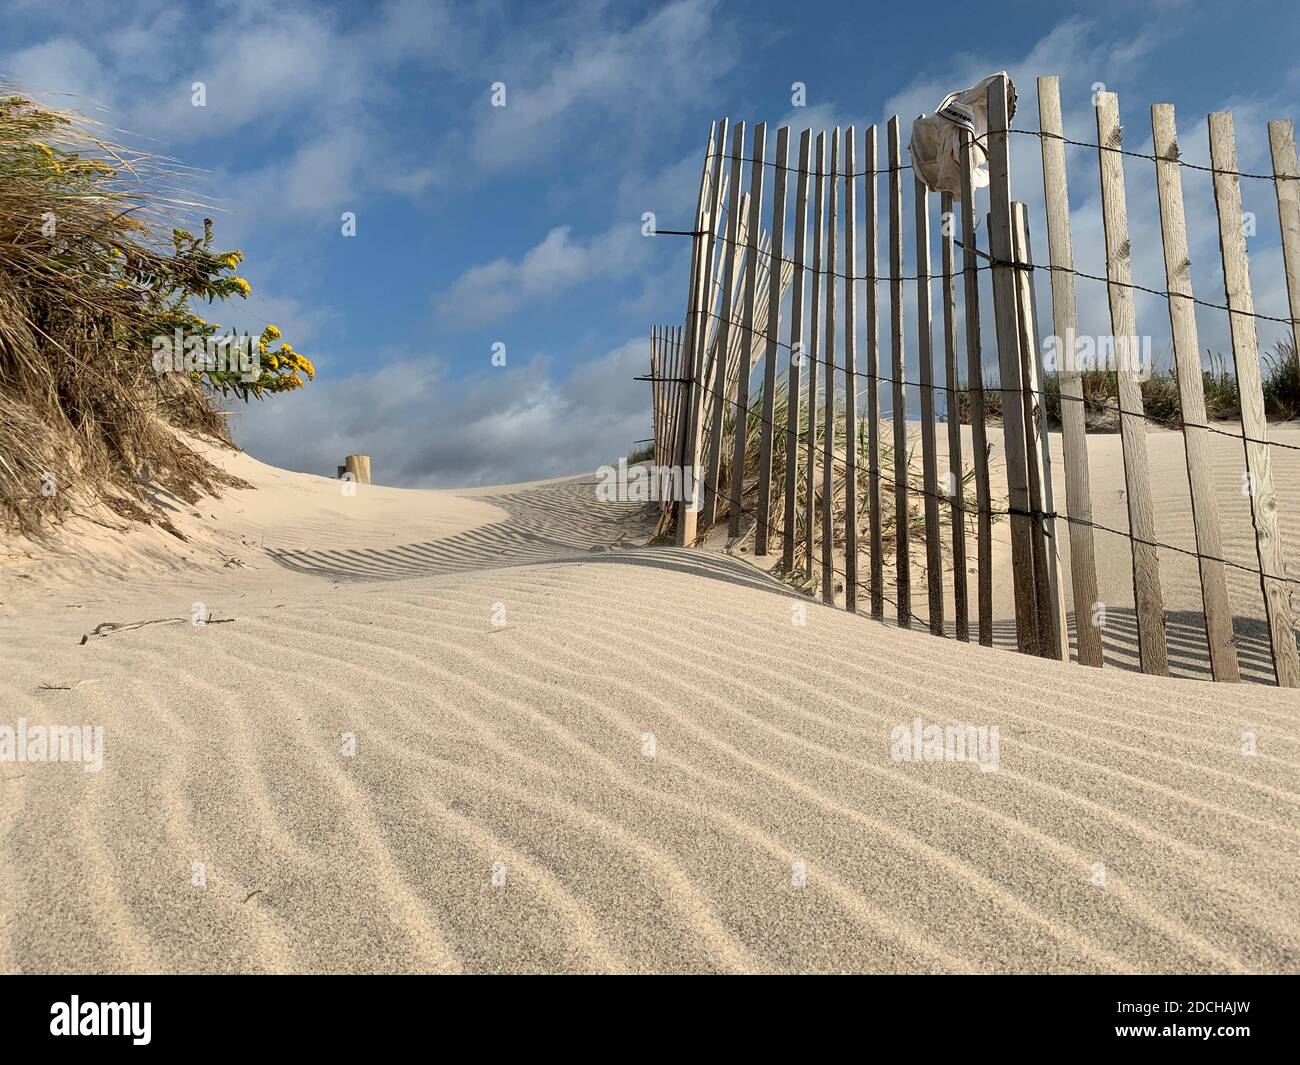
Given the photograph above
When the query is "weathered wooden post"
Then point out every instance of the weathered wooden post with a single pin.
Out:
(1008, 335)
(358, 467)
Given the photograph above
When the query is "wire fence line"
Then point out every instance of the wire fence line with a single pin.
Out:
(991, 264)
(734, 342)
(998, 512)
(813, 172)
(1042, 134)
(935, 386)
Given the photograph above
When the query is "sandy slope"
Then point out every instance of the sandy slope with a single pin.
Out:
(525, 745)
(1179, 576)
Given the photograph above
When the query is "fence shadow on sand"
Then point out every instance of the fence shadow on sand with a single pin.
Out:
(556, 522)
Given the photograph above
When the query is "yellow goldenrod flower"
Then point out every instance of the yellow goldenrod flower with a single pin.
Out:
(242, 285)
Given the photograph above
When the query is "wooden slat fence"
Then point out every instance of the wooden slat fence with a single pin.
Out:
(785, 253)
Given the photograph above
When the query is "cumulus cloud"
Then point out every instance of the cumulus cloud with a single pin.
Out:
(494, 290)
(597, 79)
(425, 427)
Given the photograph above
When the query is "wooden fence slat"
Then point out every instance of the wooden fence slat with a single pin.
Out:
(1052, 636)
(1065, 323)
(814, 356)
(877, 580)
(1254, 420)
(758, 338)
(681, 370)
(710, 228)
(741, 416)
(1148, 597)
(793, 398)
(956, 487)
(718, 379)
(712, 319)
(1286, 180)
(772, 329)
(654, 392)
(1008, 334)
(975, 390)
(828, 374)
(902, 562)
(925, 377)
(1191, 397)
(687, 450)
(731, 342)
(850, 370)
(671, 392)
(665, 371)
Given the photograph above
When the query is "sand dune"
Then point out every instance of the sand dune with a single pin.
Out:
(1179, 575)
(651, 765)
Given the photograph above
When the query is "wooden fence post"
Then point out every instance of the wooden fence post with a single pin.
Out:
(814, 355)
(1053, 638)
(873, 382)
(902, 532)
(773, 331)
(975, 386)
(792, 397)
(683, 371)
(1258, 479)
(359, 467)
(1065, 323)
(956, 484)
(828, 374)
(1191, 398)
(672, 365)
(1148, 596)
(741, 417)
(654, 392)
(850, 370)
(696, 331)
(1286, 180)
(925, 365)
(1008, 332)
(718, 394)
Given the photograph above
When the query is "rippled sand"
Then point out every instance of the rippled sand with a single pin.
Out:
(573, 753)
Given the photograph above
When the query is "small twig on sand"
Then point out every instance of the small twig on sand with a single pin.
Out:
(107, 628)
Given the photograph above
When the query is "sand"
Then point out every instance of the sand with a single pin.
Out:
(1179, 573)
(577, 753)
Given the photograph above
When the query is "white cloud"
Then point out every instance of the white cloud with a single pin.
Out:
(490, 292)
(424, 428)
(612, 85)
(58, 70)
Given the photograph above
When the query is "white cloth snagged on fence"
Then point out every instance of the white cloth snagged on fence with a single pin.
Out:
(936, 138)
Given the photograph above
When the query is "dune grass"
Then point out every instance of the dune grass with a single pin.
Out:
(1160, 402)
(94, 270)
(839, 482)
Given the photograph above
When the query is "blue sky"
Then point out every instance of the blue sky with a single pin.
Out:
(521, 224)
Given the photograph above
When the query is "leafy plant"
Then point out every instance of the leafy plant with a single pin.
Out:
(93, 267)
